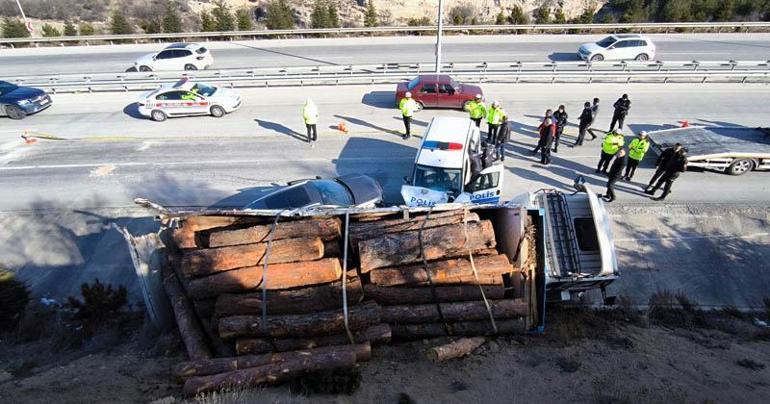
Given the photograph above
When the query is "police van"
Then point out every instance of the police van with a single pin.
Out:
(443, 171)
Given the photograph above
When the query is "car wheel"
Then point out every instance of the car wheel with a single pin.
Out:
(420, 106)
(597, 58)
(217, 111)
(158, 116)
(190, 66)
(643, 57)
(15, 112)
(145, 69)
(740, 167)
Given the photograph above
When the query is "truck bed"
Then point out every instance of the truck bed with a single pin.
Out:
(714, 142)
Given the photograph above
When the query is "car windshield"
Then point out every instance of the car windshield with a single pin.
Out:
(289, 197)
(333, 193)
(412, 84)
(607, 41)
(204, 89)
(438, 179)
(6, 87)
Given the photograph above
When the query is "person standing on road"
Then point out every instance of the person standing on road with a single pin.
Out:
(612, 143)
(675, 167)
(477, 110)
(310, 116)
(408, 107)
(662, 163)
(622, 105)
(636, 151)
(560, 119)
(594, 113)
(547, 134)
(495, 117)
(615, 174)
(585, 119)
(503, 136)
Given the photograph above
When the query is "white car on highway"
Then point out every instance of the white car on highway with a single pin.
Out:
(619, 47)
(178, 56)
(186, 98)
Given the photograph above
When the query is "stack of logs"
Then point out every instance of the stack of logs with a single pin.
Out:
(409, 278)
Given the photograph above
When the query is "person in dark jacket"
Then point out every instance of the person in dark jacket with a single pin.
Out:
(585, 120)
(674, 167)
(560, 119)
(616, 172)
(594, 113)
(548, 115)
(547, 134)
(502, 137)
(662, 163)
(622, 105)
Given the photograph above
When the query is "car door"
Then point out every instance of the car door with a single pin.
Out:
(429, 93)
(164, 60)
(170, 102)
(622, 50)
(182, 57)
(447, 96)
(487, 187)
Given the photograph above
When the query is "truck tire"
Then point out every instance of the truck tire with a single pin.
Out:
(740, 167)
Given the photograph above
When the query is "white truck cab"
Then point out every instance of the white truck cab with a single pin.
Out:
(442, 170)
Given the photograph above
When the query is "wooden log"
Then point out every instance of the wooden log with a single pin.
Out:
(455, 349)
(451, 271)
(439, 242)
(205, 367)
(212, 260)
(300, 325)
(273, 372)
(457, 311)
(465, 328)
(220, 348)
(367, 230)
(324, 228)
(376, 334)
(448, 293)
(189, 328)
(204, 308)
(279, 276)
(185, 236)
(295, 301)
(332, 249)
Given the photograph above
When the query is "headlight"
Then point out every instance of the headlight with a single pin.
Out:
(25, 102)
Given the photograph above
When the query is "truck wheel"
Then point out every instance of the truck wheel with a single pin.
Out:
(14, 112)
(217, 111)
(740, 167)
(158, 116)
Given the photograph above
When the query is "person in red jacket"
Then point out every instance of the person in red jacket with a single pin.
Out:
(547, 133)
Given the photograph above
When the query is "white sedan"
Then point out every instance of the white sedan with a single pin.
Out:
(186, 98)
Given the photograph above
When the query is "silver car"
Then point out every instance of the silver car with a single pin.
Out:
(619, 47)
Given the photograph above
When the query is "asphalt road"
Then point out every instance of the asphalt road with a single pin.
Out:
(310, 52)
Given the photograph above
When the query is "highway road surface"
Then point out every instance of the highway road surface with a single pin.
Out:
(311, 52)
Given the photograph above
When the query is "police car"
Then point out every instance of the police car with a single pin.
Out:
(442, 171)
(186, 98)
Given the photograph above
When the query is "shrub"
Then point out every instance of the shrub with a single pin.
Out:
(225, 21)
(334, 16)
(418, 22)
(50, 31)
(14, 297)
(119, 24)
(207, 22)
(319, 18)
(171, 20)
(370, 15)
(517, 16)
(14, 28)
(463, 14)
(100, 304)
(86, 29)
(559, 17)
(69, 29)
(543, 14)
(244, 20)
(279, 15)
(151, 26)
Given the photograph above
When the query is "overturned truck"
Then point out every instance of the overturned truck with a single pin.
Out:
(265, 296)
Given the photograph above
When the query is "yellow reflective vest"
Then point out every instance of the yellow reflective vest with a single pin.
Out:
(638, 148)
(408, 107)
(612, 143)
(310, 114)
(477, 109)
(495, 116)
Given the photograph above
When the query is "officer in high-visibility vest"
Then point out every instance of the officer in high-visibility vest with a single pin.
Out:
(636, 151)
(612, 143)
(310, 116)
(408, 107)
(477, 109)
(495, 117)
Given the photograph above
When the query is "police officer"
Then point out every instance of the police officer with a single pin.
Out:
(616, 171)
(622, 105)
(662, 163)
(408, 107)
(495, 117)
(547, 134)
(674, 167)
(310, 116)
(636, 151)
(560, 119)
(477, 110)
(585, 119)
(613, 142)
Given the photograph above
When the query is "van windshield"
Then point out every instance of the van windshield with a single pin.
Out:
(438, 179)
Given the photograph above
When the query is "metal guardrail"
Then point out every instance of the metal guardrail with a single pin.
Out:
(500, 72)
(640, 27)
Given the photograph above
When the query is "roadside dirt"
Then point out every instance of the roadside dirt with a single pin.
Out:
(584, 357)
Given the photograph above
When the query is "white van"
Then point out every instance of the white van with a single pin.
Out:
(442, 170)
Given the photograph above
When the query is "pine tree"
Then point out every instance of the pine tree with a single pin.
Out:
(588, 16)
(543, 14)
(171, 20)
(225, 21)
(69, 29)
(559, 17)
(319, 18)
(86, 29)
(370, 16)
(207, 22)
(244, 20)
(279, 15)
(501, 19)
(151, 26)
(14, 28)
(119, 24)
(50, 31)
(333, 16)
(517, 16)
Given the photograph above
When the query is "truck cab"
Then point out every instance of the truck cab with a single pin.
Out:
(443, 170)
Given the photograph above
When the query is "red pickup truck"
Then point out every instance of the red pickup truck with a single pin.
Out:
(438, 91)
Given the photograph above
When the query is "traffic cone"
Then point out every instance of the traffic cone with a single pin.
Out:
(685, 123)
(27, 139)
(342, 127)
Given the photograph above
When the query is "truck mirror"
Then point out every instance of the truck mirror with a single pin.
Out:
(579, 183)
(406, 180)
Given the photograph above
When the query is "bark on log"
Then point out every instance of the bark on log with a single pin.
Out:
(376, 334)
(205, 367)
(465, 328)
(279, 276)
(456, 349)
(452, 271)
(271, 373)
(185, 237)
(204, 308)
(455, 293)
(300, 325)
(189, 327)
(332, 249)
(439, 242)
(212, 260)
(325, 228)
(295, 301)
(219, 347)
(368, 230)
(454, 312)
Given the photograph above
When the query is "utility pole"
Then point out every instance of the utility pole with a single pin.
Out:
(23, 16)
(439, 35)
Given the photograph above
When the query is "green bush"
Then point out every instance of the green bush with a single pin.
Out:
(14, 28)
(171, 20)
(559, 17)
(370, 15)
(69, 29)
(119, 24)
(518, 17)
(50, 31)
(279, 15)
(151, 26)
(225, 21)
(419, 22)
(207, 22)
(14, 297)
(244, 20)
(86, 29)
(463, 14)
(100, 304)
(543, 14)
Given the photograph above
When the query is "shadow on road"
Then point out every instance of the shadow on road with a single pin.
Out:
(282, 129)
(132, 110)
(564, 57)
(361, 122)
(380, 99)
